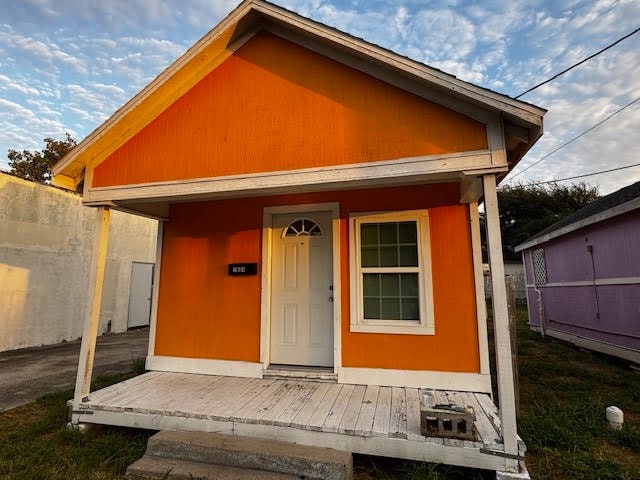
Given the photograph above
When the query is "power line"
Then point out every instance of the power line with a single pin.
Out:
(575, 138)
(586, 174)
(580, 62)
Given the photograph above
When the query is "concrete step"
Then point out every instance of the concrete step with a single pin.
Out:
(301, 461)
(172, 469)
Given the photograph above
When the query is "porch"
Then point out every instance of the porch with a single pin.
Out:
(373, 420)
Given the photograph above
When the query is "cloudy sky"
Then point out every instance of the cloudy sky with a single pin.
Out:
(67, 65)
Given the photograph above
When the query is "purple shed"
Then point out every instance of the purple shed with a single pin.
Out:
(583, 276)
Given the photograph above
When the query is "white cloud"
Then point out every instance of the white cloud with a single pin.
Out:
(24, 88)
(69, 65)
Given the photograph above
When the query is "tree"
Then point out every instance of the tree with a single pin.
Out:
(526, 209)
(36, 166)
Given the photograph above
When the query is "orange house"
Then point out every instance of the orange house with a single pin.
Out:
(318, 206)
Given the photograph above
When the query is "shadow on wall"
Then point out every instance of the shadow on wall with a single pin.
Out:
(46, 240)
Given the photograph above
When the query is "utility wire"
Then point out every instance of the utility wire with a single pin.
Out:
(586, 175)
(580, 62)
(574, 138)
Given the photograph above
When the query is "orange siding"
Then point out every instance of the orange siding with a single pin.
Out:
(274, 105)
(204, 313)
(454, 347)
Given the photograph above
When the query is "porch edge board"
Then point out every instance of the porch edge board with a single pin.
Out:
(204, 366)
(460, 381)
(463, 456)
(384, 172)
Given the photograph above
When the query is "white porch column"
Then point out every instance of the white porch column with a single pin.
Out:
(92, 316)
(155, 292)
(504, 367)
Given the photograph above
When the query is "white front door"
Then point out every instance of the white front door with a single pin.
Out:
(302, 290)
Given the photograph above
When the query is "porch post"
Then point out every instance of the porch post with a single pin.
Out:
(504, 368)
(92, 315)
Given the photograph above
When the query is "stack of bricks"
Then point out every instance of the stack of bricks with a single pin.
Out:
(439, 417)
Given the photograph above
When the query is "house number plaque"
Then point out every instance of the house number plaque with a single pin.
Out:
(239, 269)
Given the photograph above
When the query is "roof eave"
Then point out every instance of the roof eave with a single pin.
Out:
(71, 167)
(621, 209)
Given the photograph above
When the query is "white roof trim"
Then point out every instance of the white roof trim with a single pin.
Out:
(528, 113)
(626, 207)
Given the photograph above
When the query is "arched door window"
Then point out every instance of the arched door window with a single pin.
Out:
(302, 227)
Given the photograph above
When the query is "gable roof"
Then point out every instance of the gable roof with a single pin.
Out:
(523, 121)
(621, 201)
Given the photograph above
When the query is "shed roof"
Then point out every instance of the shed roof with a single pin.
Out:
(621, 201)
(523, 121)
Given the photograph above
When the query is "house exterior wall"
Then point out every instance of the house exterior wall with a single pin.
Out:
(46, 239)
(607, 312)
(276, 106)
(203, 313)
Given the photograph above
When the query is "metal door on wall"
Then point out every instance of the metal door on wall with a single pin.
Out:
(301, 289)
(140, 294)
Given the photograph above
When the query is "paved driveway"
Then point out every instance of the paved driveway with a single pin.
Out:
(29, 373)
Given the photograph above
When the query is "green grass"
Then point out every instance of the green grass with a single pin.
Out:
(35, 443)
(563, 395)
(564, 392)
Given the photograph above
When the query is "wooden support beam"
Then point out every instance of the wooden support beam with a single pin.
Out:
(470, 189)
(92, 316)
(504, 368)
(478, 274)
(155, 293)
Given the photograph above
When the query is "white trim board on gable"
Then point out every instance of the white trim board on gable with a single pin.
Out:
(254, 15)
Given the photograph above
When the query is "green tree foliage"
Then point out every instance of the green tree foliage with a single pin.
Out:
(36, 166)
(526, 209)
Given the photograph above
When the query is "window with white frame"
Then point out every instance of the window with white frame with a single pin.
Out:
(391, 273)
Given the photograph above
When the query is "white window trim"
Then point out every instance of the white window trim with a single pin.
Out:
(426, 324)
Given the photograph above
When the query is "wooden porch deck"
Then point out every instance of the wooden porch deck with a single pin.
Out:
(374, 420)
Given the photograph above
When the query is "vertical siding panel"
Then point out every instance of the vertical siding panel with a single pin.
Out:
(272, 106)
(203, 313)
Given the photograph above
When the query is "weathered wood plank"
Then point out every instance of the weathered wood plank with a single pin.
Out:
(212, 399)
(260, 405)
(195, 394)
(109, 393)
(486, 431)
(168, 398)
(398, 419)
(141, 396)
(317, 419)
(302, 418)
(413, 415)
(383, 413)
(334, 417)
(271, 402)
(490, 410)
(352, 412)
(305, 397)
(156, 395)
(242, 397)
(293, 391)
(367, 411)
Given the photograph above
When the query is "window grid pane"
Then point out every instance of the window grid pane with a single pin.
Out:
(391, 296)
(389, 244)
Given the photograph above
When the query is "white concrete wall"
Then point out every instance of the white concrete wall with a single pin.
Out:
(46, 239)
